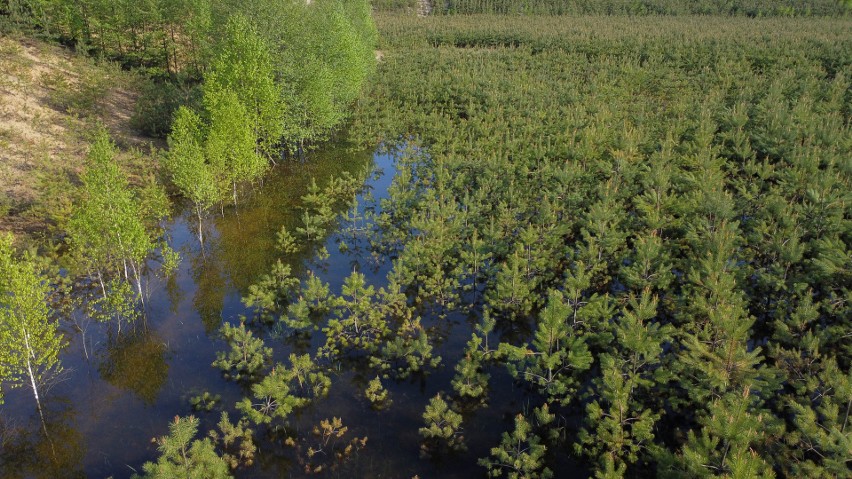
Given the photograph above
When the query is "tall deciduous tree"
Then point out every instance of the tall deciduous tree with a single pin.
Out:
(107, 228)
(322, 52)
(186, 163)
(243, 64)
(29, 340)
(230, 146)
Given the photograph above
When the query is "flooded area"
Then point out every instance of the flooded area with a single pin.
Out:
(120, 391)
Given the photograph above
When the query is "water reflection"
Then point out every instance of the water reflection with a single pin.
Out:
(125, 388)
(135, 362)
(241, 243)
(246, 235)
(211, 288)
(174, 293)
(53, 451)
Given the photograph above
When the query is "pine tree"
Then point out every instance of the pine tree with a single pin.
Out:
(470, 381)
(272, 289)
(236, 442)
(650, 265)
(555, 358)
(474, 257)
(717, 357)
(589, 311)
(284, 389)
(377, 394)
(407, 351)
(619, 425)
(512, 295)
(821, 437)
(312, 382)
(443, 427)
(184, 457)
(602, 232)
(725, 445)
(271, 398)
(359, 324)
(521, 453)
(326, 448)
(247, 354)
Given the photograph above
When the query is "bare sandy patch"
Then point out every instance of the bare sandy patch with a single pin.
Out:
(51, 103)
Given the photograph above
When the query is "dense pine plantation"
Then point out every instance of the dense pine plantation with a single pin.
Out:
(650, 216)
(614, 246)
(751, 8)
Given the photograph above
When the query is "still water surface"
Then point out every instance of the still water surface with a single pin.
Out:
(120, 391)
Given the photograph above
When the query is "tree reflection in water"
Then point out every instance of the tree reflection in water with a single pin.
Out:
(26, 451)
(135, 362)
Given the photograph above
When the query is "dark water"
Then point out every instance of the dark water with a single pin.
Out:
(120, 391)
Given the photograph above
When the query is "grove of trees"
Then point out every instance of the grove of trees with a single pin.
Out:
(255, 84)
(651, 219)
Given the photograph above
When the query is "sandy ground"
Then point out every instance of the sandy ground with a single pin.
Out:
(51, 103)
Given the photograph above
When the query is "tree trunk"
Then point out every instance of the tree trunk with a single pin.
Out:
(166, 51)
(101, 280)
(138, 284)
(200, 233)
(31, 374)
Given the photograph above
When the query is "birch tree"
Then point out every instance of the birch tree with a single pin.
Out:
(106, 230)
(29, 341)
(187, 166)
(230, 145)
(244, 65)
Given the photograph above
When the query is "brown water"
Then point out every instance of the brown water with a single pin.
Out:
(120, 391)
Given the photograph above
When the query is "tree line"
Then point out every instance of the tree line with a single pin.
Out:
(319, 52)
(749, 8)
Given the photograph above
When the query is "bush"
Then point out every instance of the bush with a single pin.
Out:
(83, 96)
(158, 100)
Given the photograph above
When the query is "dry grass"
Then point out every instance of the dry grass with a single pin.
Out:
(51, 103)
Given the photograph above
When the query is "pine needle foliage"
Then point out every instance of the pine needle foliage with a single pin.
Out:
(520, 453)
(183, 456)
(283, 390)
(247, 354)
(443, 428)
(654, 212)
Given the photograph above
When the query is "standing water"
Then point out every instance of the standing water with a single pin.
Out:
(120, 391)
